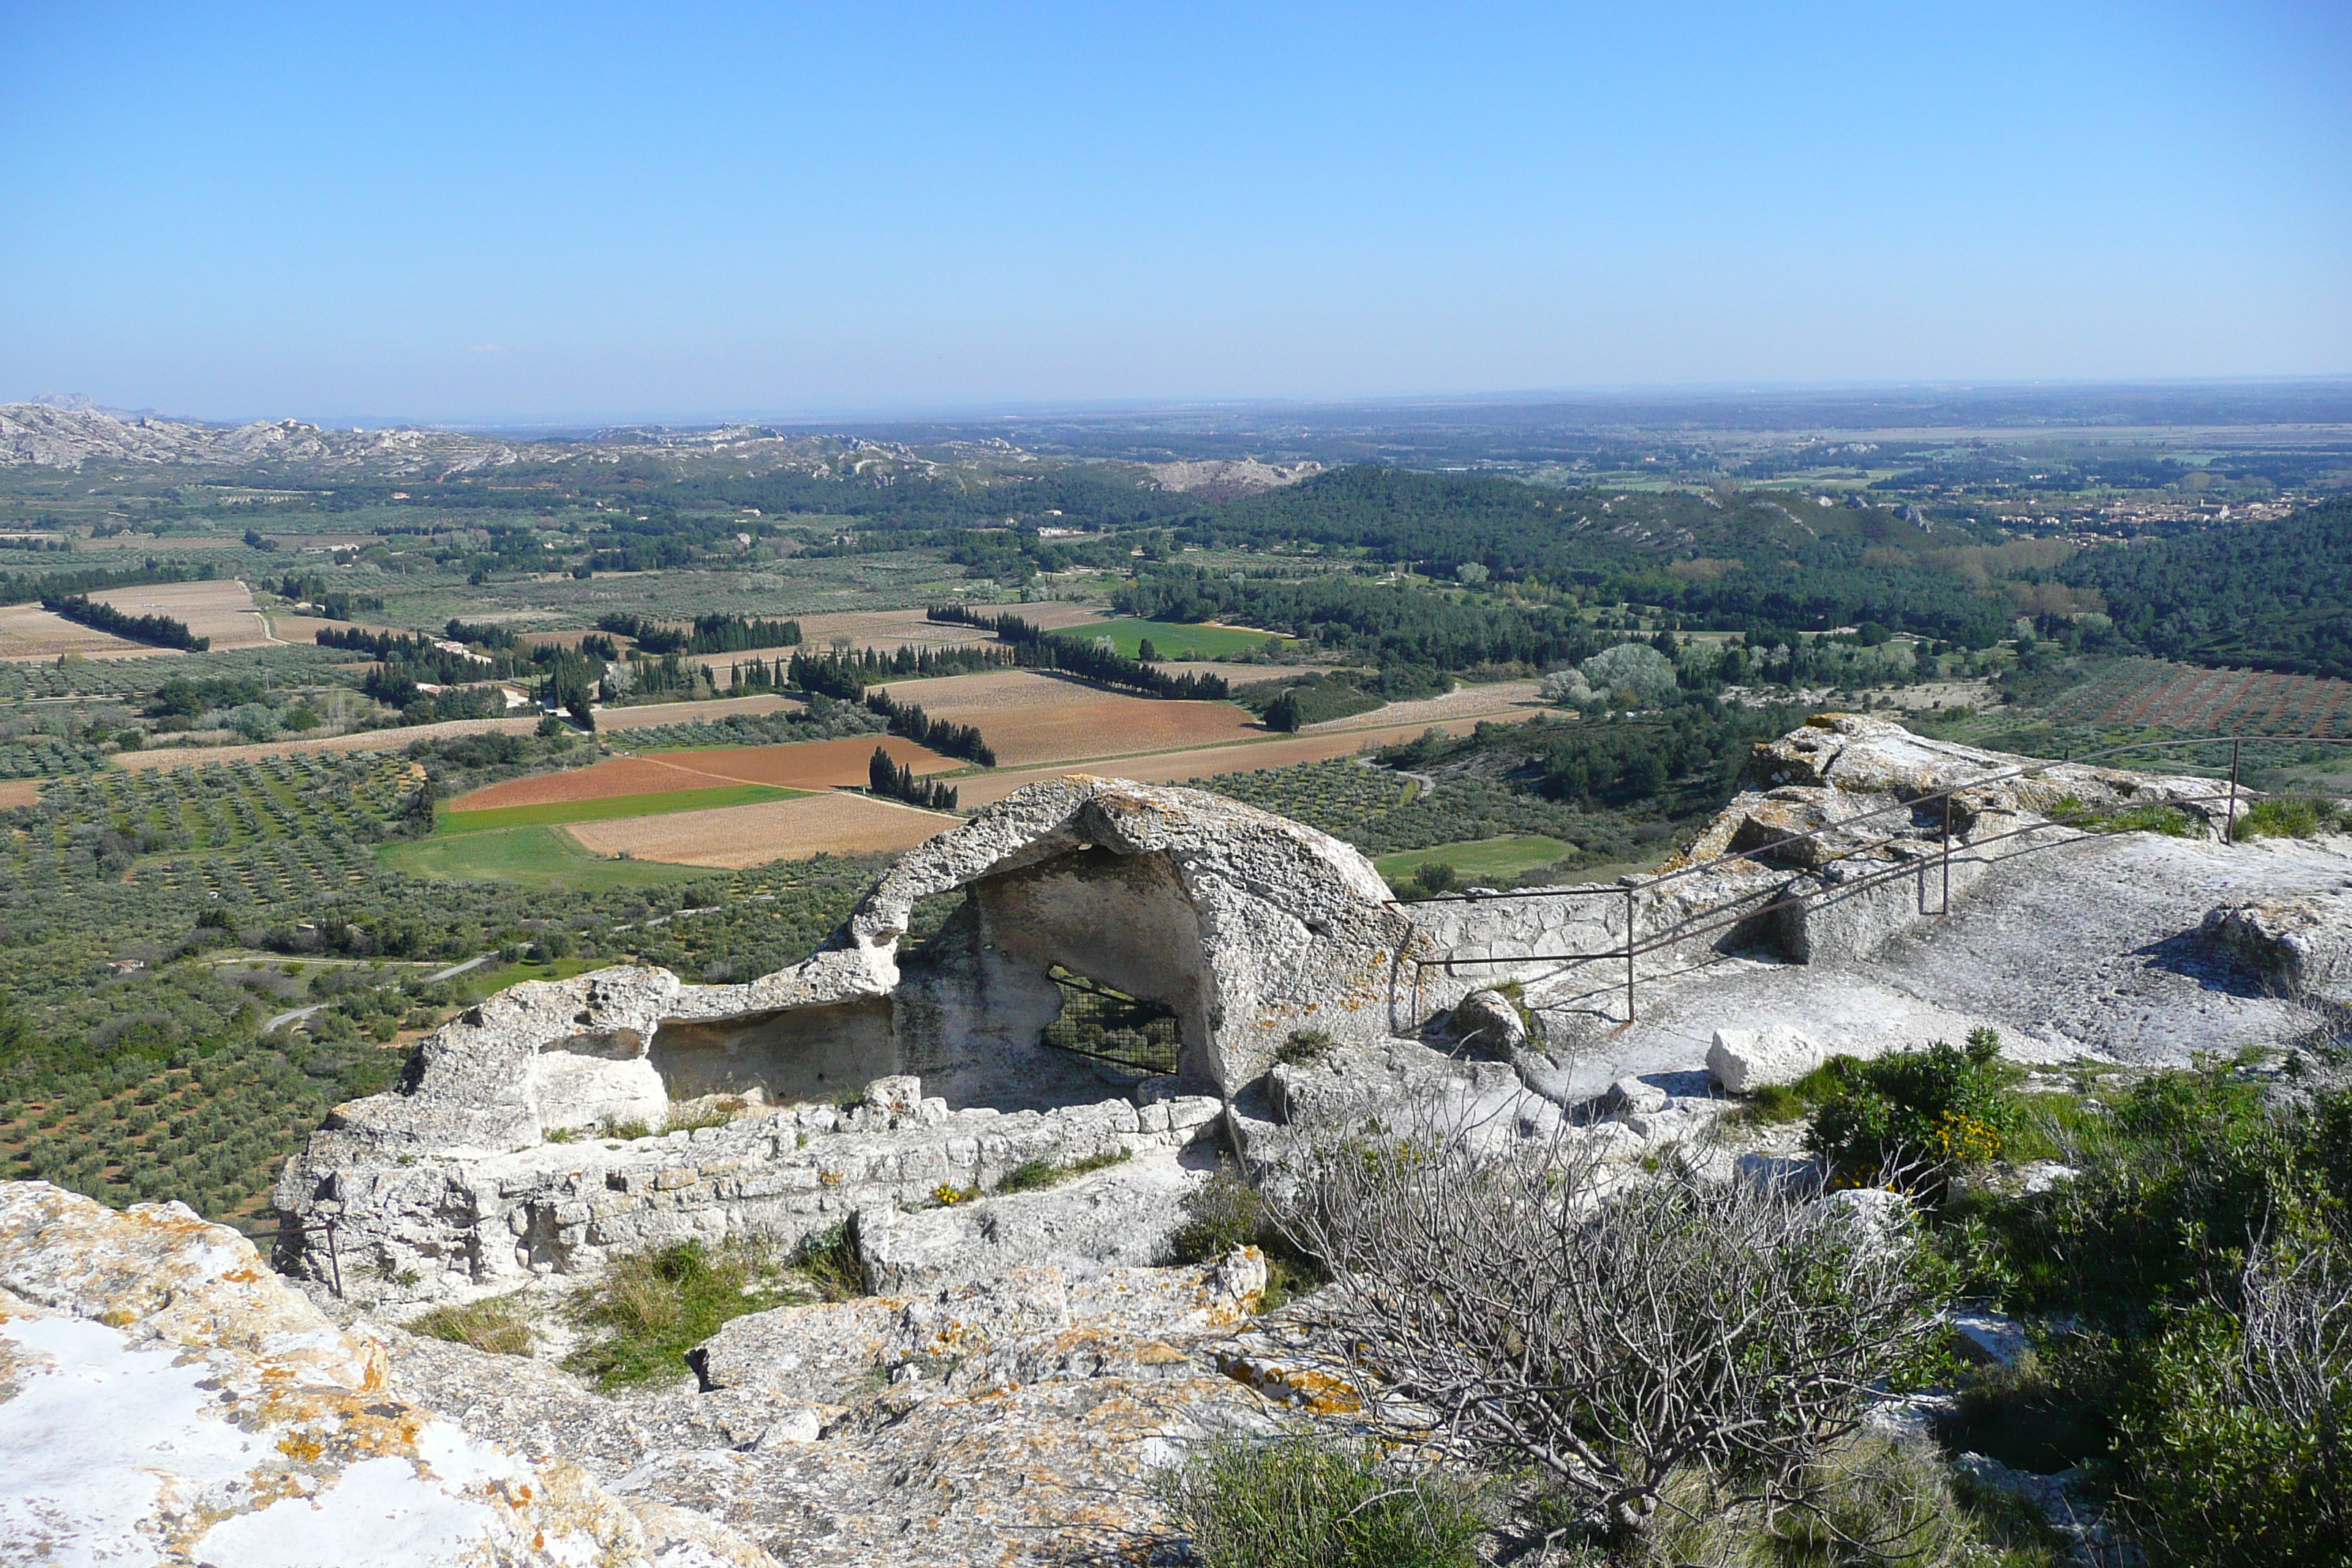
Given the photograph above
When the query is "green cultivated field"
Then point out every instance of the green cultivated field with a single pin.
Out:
(1479, 859)
(552, 813)
(537, 856)
(1171, 639)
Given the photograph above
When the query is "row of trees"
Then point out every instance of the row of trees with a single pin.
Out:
(1036, 649)
(158, 631)
(28, 587)
(897, 782)
(709, 634)
(909, 721)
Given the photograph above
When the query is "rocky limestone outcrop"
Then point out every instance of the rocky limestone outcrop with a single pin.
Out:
(2304, 944)
(496, 1161)
(455, 1222)
(163, 1397)
(1249, 925)
(1013, 1420)
(1831, 848)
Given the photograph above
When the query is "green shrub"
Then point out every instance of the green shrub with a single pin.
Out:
(1920, 1115)
(1307, 1501)
(495, 1325)
(1221, 1214)
(2189, 1169)
(2289, 816)
(1305, 1047)
(2236, 1450)
(1434, 876)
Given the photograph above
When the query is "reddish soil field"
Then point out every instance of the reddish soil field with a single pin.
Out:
(811, 765)
(20, 791)
(1175, 767)
(1029, 718)
(737, 836)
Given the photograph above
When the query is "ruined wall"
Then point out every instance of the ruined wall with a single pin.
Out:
(437, 1229)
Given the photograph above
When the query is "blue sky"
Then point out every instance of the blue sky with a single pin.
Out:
(586, 211)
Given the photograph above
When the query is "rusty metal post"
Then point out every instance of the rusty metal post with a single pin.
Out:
(2230, 823)
(1947, 908)
(1629, 956)
(334, 1257)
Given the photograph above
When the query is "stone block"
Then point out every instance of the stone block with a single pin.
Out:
(1745, 1061)
(899, 1095)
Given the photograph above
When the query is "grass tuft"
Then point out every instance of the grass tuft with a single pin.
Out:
(495, 1325)
(1310, 1501)
(2290, 817)
(1034, 1175)
(653, 1306)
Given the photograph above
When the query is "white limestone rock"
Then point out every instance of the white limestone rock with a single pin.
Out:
(164, 1396)
(1745, 1061)
(2304, 943)
(1630, 1097)
(1489, 1022)
(1124, 1215)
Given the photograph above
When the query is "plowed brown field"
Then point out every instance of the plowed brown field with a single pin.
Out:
(29, 631)
(811, 764)
(20, 792)
(733, 836)
(1029, 717)
(1175, 767)
(221, 609)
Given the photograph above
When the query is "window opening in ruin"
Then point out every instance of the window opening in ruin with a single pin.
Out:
(1103, 1025)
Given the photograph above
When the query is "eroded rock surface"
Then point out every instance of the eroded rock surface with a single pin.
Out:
(1013, 1420)
(164, 1397)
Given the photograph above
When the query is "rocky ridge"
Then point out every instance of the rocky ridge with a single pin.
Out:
(163, 1397)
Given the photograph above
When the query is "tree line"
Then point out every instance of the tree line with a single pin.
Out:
(709, 634)
(909, 720)
(897, 781)
(1036, 649)
(157, 631)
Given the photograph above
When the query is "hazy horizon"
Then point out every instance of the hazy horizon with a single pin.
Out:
(562, 218)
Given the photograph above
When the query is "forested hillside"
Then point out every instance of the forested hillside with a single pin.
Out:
(2275, 594)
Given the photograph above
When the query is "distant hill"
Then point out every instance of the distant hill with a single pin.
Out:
(66, 433)
(2275, 594)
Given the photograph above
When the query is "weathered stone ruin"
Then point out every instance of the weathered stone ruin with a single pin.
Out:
(1819, 911)
(853, 1086)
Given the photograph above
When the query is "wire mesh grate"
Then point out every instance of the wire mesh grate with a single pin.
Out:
(1107, 1026)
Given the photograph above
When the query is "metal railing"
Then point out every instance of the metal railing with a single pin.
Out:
(1713, 919)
